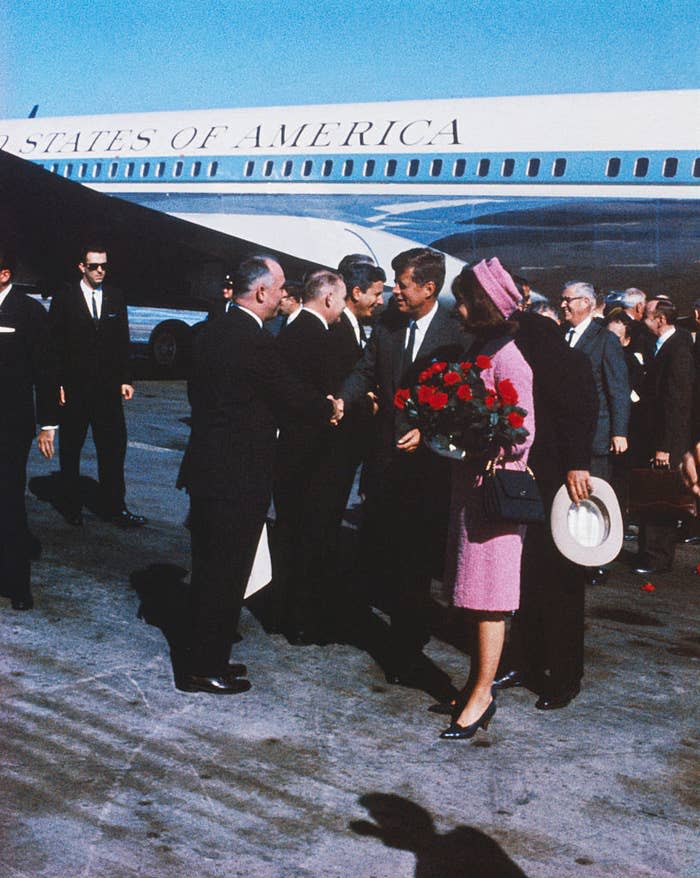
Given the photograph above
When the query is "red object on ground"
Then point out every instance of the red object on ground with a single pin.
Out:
(648, 586)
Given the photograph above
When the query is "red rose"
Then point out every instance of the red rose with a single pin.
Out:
(465, 366)
(490, 400)
(483, 362)
(439, 367)
(438, 400)
(451, 378)
(424, 375)
(648, 586)
(515, 420)
(507, 392)
(425, 394)
(464, 392)
(400, 397)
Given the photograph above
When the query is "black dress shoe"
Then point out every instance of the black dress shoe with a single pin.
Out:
(455, 732)
(223, 685)
(124, 518)
(23, 603)
(509, 679)
(73, 517)
(557, 700)
(235, 669)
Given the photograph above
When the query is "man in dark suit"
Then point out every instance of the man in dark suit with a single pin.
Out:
(26, 368)
(603, 349)
(407, 486)
(240, 388)
(309, 475)
(225, 301)
(90, 331)
(546, 644)
(668, 405)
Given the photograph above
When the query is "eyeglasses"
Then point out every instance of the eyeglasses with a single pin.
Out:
(567, 300)
(93, 266)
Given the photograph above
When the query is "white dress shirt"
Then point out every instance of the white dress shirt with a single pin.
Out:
(578, 331)
(3, 294)
(662, 339)
(355, 323)
(422, 325)
(87, 293)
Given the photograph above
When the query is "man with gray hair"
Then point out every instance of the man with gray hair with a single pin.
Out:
(633, 301)
(603, 349)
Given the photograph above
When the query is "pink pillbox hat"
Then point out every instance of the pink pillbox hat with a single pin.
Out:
(498, 284)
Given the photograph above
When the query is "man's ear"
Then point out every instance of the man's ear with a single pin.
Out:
(355, 294)
(260, 293)
(429, 286)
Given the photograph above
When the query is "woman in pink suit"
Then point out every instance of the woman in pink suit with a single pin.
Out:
(483, 557)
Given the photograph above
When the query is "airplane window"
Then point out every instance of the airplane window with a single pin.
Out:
(248, 169)
(82, 168)
(177, 169)
(160, 167)
(129, 169)
(327, 168)
(483, 167)
(348, 165)
(306, 168)
(113, 168)
(145, 169)
(369, 168)
(670, 168)
(96, 169)
(390, 168)
(436, 167)
(508, 167)
(613, 168)
(460, 166)
(641, 167)
(196, 169)
(267, 168)
(287, 168)
(533, 167)
(213, 168)
(413, 167)
(696, 168)
(559, 168)
(67, 170)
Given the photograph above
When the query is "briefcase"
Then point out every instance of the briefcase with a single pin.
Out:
(660, 495)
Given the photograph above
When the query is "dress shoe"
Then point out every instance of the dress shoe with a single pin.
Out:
(23, 603)
(509, 679)
(73, 517)
(235, 669)
(223, 685)
(557, 700)
(645, 571)
(455, 732)
(124, 518)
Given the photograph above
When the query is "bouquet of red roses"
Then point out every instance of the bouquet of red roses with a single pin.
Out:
(458, 414)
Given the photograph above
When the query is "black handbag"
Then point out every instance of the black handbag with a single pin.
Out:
(511, 495)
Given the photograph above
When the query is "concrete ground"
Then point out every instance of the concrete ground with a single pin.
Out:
(322, 769)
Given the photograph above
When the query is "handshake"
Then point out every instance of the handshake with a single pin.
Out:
(338, 410)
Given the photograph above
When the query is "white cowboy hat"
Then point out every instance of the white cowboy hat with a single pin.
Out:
(590, 534)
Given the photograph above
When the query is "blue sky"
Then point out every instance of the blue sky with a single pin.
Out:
(75, 57)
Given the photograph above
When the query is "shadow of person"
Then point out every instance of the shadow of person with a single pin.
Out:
(50, 489)
(461, 853)
(164, 604)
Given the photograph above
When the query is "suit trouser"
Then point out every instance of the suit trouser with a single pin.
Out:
(224, 539)
(14, 545)
(403, 540)
(103, 411)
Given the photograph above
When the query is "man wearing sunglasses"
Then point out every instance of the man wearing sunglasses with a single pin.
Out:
(91, 335)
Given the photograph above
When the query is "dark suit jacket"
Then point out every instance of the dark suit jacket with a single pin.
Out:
(612, 383)
(26, 365)
(668, 397)
(566, 402)
(240, 389)
(90, 357)
(380, 370)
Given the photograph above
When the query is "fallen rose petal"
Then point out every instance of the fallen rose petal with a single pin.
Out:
(648, 586)
(697, 569)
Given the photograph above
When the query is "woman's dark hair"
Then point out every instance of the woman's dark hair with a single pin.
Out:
(484, 318)
(619, 315)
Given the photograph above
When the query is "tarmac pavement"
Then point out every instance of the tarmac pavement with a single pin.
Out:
(322, 770)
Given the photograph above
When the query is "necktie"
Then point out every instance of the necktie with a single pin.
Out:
(362, 334)
(408, 352)
(569, 335)
(95, 315)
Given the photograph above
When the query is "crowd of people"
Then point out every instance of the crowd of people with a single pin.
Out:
(292, 389)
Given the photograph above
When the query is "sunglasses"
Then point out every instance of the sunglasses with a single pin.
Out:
(93, 266)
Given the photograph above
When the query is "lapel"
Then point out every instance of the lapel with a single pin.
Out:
(591, 332)
(83, 311)
(398, 339)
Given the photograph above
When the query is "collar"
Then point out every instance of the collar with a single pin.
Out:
(422, 323)
(4, 294)
(316, 315)
(250, 313)
(581, 328)
(293, 316)
(665, 337)
(354, 322)
(88, 290)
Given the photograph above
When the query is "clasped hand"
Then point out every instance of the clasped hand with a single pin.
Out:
(338, 410)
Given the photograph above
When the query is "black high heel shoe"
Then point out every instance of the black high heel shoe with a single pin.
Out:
(455, 732)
